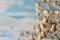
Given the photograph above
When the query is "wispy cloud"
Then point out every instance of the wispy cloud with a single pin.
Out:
(24, 24)
(16, 15)
(10, 23)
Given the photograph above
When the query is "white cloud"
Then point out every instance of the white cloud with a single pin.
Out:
(21, 24)
(24, 24)
(3, 27)
(18, 14)
(13, 26)
(24, 14)
(3, 38)
(10, 24)
(17, 24)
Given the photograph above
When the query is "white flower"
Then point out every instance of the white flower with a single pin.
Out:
(53, 28)
(43, 0)
(37, 4)
(56, 3)
(21, 34)
(37, 28)
(38, 10)
(46, 12)
(45, 20)
(33, 27)
(43, 34)
(48, 0)
(31, 37)
(57, 12)
(39, 20)
(42, 27)
(39, 37)
(37, 14)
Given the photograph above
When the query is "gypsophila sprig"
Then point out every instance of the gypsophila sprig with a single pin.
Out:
(48, 26)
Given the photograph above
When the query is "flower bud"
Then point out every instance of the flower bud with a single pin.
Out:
(56, 3)
(37, 14)
(37, 10)
(31, 37)
(46, 12)
(21, 34)
(43, 34)
(38, 29)
(27, 33)
(48, 0)
(53, 28)
(37, 4)
(39, 37)
(57, 12)
(33, 27)
(44, 1)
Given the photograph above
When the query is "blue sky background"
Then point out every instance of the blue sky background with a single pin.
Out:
(16, 15)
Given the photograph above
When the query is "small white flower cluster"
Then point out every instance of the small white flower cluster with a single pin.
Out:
(48, 26)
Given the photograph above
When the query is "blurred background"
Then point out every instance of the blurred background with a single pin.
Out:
(16, 16)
